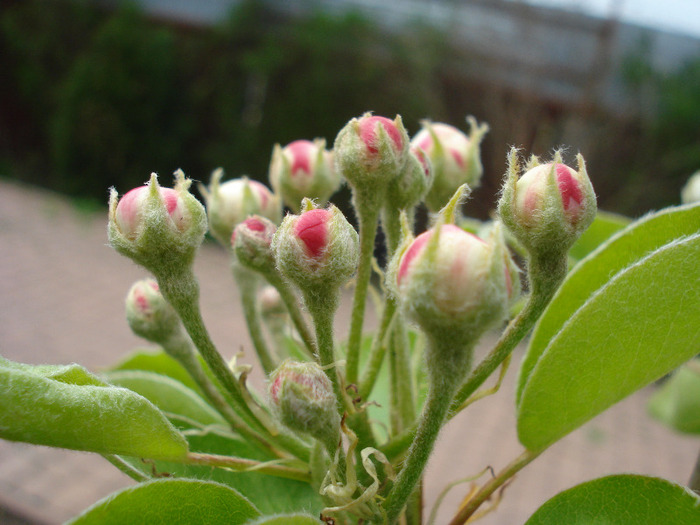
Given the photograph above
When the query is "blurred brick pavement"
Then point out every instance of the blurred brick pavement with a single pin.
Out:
(61, 300)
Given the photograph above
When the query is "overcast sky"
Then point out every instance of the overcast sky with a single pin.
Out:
(681, 16)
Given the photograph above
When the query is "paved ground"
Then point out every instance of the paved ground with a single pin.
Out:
(61, 300)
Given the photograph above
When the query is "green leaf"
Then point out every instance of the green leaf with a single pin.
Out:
(171, 502)
(68, 407)
(289, 495)
(171, 396)
(287, 519)
(677, 402)
(642, 324)
(621, 500)
(603, 227)
(627, 247)
(156, 360)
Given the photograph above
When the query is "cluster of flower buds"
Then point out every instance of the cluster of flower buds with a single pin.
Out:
(302, 397)
(148, 313)
(317, 249)
(454, 156)
(549, 207)
(231, 202)
(303, 169)
(159, 228)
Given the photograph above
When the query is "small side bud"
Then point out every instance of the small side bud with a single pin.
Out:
(318, 248)
(159, 228)
(548, 207)
(302, 398)
(691, 190)
(414, 181)
(303, 169)
(231, 202)
(252, 243)
(148, 313)
(371, 151)
(455, 157)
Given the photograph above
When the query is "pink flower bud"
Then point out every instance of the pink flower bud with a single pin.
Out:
(251, 242)
(455, 158)
(230, 203)
(371, 151)
(132, 208)
(149, 315)
(302, 398)
(455, 282)
(303, 169)
(318, 247)
(549, 207)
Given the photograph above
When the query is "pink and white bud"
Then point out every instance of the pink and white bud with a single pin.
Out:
(302, 398)
(148, 313)
(371, 151)
(303, 169)
(231, 202)
(156, 226)
(317, 248)
(549, 206)
(455, 158)
(252, 243)
(691, 190)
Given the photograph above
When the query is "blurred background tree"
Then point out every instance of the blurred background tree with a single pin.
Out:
(94, 97)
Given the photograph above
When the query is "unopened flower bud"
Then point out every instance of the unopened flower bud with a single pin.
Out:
(302, 397)
(455, 157)
(271, 302)
(449, 280)
(148, 313)
(303, 169)
(231, 202)
(371, 151)
(318, 248)
(252, 243)
(549, 207)
(691, 190)
(157, 227)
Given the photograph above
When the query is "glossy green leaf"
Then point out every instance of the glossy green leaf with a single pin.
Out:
(627, 247)
(677, 402)
(68, 407)
(171, 396)
(642, 324)
(603, 227)
(157, 361)
(621, 500)
(289, 495)
(171, 502)
(287, 519)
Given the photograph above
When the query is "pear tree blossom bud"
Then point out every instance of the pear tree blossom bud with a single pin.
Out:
(252, 243)
(414, 181)
(549, 206)
(303, 169)
(231, 202)
(451, 281)
(148, 313)
(302, 398)
(157, 227)
(691, 190)
(455, 158)
(270, 302)
(318, 248)
(371, 151)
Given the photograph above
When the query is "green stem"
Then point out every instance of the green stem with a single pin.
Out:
(368, 216)
(694, 482)
(378, 350)
(248, 287)
(248, 465)
(440, 394)
(292, 304)
(546, 275)
(492, 485)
